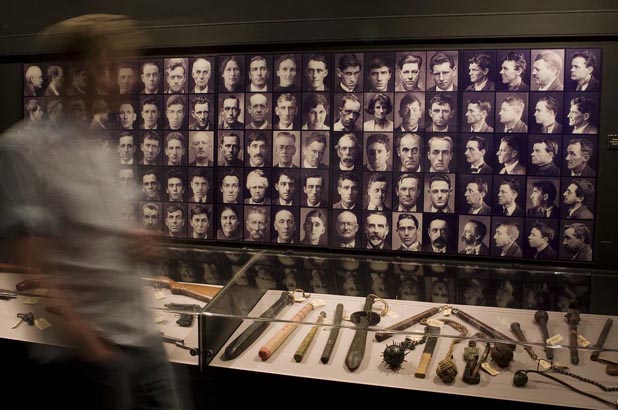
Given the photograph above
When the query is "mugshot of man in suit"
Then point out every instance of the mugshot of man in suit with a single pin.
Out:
(377, 230)
(230, 113)
(583, 68)
(316, 72)
(581, 116)
(377, 153)
(476, 115)
(150, 113)
(126, 148)
(286, 110)
(411, 113)
(546, 71)
(542, 199)
(508, 155)
(151, 187)
(579, 152)
(174, 221)
(476, 149)
(78, 77)
(576, 197)
(126, 184)
(285, 186)
(257, 185)
(258, 111)
(472, 237)
(175, 75)
(257, 149)
(150, 147)
(346, 227)
(201, 148)
(257, 224)
(314, 228)
(377, 191)
(544, 151)
(476, 191)
(439, 237)
(125, 78)
(440, 153)
(410, 67)
(284, 226)
(348, 72)
(441, 111)
(175, 149)
(286, 71)
(199, 181)
(229, 186)
(379, 73)
(175, 109)
(349, 112)
(151, 218)
(35, 115)
(230, 148)
(33, 81)
(510, 115)
(285, 150)
(508, 191)
(259, 75)
(539, 240)
(231, 80)
(347, 149)
(55, 78)
(315, 112)
(512, 72)
(480, 70)
(408, 191)
(314, 151)
(200, 114)
(126, 115)
(175, 185)
(313, 187)
(409, 148)
(199, 221)
(545, 113)
(505, 239)
(577, 238)
(439, 191)
(100, 115)
(408, 229)
(443, 72)
(348, 190)
(201, 71)
(150, 77)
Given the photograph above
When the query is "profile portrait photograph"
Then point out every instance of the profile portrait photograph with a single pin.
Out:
(34, 113)
(511, 154)
(543, 197)
(231, 111)
(546, 113)
(202, 73)
(507, 237)
(257, 224)
(286, 149)
(317, 74)
(475, 194)
(477, 112)
(583, 70)
(407, 231)
(231, 74)
(508, 192)
(151, 76)
(474, 238)
(576, 240)
(259, 68)
(349, 72)
(547, 69)
(511, 113)
(409, 112)
(542, 239)
(478, 154)
(442, 70)
(287, 72)
(544, 155)
(441, 111)
(176, 112)
(577, 196)
(579, 156)
(230, 148)
(410, 70)
(440, 193)
(513, 70)
(151, 112)
(379, 76)
(33, 81)
(479, 70)
(582, 113)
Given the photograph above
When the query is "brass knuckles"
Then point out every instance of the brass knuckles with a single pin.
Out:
(302, 293)
(385, 307)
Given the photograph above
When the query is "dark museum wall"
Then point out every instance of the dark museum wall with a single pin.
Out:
(220, 27)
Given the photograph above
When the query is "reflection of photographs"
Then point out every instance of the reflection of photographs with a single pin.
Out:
(538, 293)
(572, 292)
(439, 289)
(472, 291)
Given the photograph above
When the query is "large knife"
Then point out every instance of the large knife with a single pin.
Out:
(334, 333)
(363, 320)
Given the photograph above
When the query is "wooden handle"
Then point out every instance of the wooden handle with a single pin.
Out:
(421, 370)
(273, 344)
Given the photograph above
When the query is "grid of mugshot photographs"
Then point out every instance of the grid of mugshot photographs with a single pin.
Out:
(439, 283)
(476, 152)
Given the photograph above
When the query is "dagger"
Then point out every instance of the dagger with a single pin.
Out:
(601, 340)
(334, 333)
(363, 320)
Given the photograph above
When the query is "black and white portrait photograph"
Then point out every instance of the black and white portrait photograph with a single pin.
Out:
(473, 286)
(151, 112)
(506, 289)
(257, 223)
(542, 239)
(176, 75)
(231, 111)
(229, 222)
(315, 189)
(407, 231)
(577, 198)
(54, 80)
(258, 115)
(33, 81)
(477, 112)
(347, 151)
(126, 183)
(150, 148)
(511, 154)
(55, 108)
(346, 229)
(348, 111)
(175, 148)
(288, 73)
(175, 184)
(317, 72)
(126, 145)
(230, 185)
(378, 70)
(285, 225)
(34, 113)
(408, 192)
(442, 70)
(200, 221)
(410, 70)
(202, 71)
(475, 194)
(474, 235)
(125, 77)
(478, 155)
(176, 112)
(231, 74)
(441, 110)
(377, 191)
(315, 150)
(256, 190)
(439, 233)
(479, 70)
(347, 187)
(547, 68)
(544, 151)
(125, 111)
(286, 149)
(202, 112)
(259, 70)
(582, 113)
(316, 112)
(77, 81)
(314, 228)
(258, 147)
(230, 148)
(201, 151)
(150, 181)
(376, 230)
(200, 183)
(377, 156)
(410, 112)
(151, 217)
(543, 197)
(151, 76)
(409, 152)
(349, 73)
(507, 235)
(440, 193)
(509, 195)
(175, 220)
(286, 112)
(546, 113)
(583, 69)
(513, 70)
(511, 113)
(579, 156)
(286, 187)
(378, 112)
(440, 289)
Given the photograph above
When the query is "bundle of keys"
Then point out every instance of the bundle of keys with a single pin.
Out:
(24, 317)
